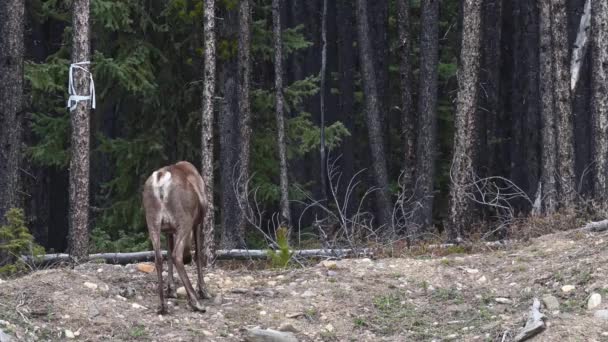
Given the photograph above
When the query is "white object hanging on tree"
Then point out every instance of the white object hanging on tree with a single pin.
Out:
(74, 97)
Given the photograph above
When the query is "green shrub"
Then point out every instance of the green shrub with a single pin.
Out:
(16, 240)
(281, 257)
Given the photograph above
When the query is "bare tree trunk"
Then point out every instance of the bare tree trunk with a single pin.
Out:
(408, 119)
(462, 172)
(549, 150)
(580, 45)
(207, 131)
(372, 109)
(280, 112)
(79, 163)
(243, 76)
(563, 104)
(599, 106)
(322, 100)
(426, 144)
(12, 13)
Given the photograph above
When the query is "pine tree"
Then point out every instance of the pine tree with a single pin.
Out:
(462, 172)
(11, 98)
(372, 115)
(79, 161)
(280, 112)
(207, 130)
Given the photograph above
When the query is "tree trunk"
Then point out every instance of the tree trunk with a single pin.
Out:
(207, 131)
(580, 45)
(462, 173)
(11, 99)
(280, 112)
(243, 76)
(372, 110)
(79, 163)
(323, 175)
(408, 119)
(599, 74)
(563, 104)
(347, 56)
(426, 144)
(549, 151)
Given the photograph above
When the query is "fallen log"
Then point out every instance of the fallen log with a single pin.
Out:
(534, 325)
(597, 226)
(232, 254)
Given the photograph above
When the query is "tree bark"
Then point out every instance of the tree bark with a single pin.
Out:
(549, 151)
(372, 110)
(12, 13)
(462, 173)
(79, 162)
(599, 106)
(580, 45)
(408, 119)
(207, 131)
(323, 175)
(280, 112)
(243, 76)
(426, 144)
(563, 104)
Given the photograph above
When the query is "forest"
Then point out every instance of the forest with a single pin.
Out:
(343, 122)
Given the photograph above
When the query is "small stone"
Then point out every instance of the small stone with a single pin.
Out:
(104, 288)
(146, 267)
(329, 328)
(307, 294)
(594, 301)
(295, 315)
(568, 288)
(69, 334)
(482, 280)
(207, 333)
(272, 283)
(269, 335)
(137, 306)
(2, 281)
(550, 302)
(262, 313)
(92, 286)
(331, 273)
(502, 300)
(286, 326)
(218, 300)
(121, 298)
(472, 270)
(127, 292)
(99, 270)
(181, 292)
(601, 314)
(329, 264)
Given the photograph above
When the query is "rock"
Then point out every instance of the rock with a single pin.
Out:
(2, 281)
(601, 314)
(295, 315)
(329, 264)
(127, 292)
(568, 288)
(218, 300)
(550, 302)
(472, 270)
(331, 273)
(269, 335)
(119, 297)
(286, 326)
(594, 301)
(5, 337)
(104, 288)
(502, 300)
(482, 280)
(181, 292)
(263, 313)
(92, 286)
(146, 267)
(329, 328)
(69, 334)
(137, 306)
(307, 294)
(264, 293)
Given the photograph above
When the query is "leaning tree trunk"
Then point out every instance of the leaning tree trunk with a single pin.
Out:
(563, 105)
(372, 110)
(462, 173)
(280, 112)
(11, 97)
(408, 119)
(549, 150)
(208, 244)
(599, 102)
(243, 77)
(79, 163)
(426, 144)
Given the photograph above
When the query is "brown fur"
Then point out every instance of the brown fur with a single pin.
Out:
(174, 202)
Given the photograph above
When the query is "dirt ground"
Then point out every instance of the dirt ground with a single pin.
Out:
(457, 297)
